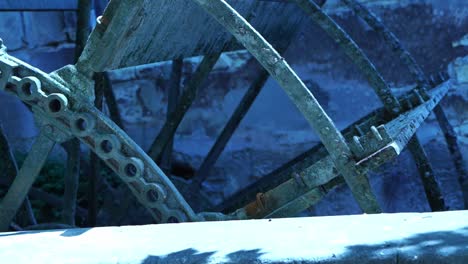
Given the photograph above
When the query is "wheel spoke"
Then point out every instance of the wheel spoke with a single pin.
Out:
(426, 173)
(10, 169)
(246, 102)
(111, 101)
(173, 98)
(26, 176)
(72, 175)
(451, 139)
(186, 99)
(230, 128)
(95, 164)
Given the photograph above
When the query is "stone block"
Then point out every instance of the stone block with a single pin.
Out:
(44, 28)
(459, 70)
(11, 30)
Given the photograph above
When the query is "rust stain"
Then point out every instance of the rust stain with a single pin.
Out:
(102, 23)
(256, 209)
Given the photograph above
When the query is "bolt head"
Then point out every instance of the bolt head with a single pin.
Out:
(48, 129)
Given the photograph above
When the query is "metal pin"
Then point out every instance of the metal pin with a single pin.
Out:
(376, 133)
(358, 143)
(418, 95)
(359, 130)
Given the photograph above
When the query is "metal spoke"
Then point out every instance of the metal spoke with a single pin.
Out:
(50, 199)
(83, 27)
(72, 147)
(186, 99)
(25, 178)
(111, 101)
(95, 163)
(173, 98)
(230, 127)
(430, 184)
(10, 169)
(72, 175)
(451, 139)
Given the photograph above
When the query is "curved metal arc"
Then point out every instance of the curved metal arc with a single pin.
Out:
(300, 95)
(391, 39)
(353, 51)
(236, 118)
(81, 119)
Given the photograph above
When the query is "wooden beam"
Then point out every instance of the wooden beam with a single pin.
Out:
(171, 29)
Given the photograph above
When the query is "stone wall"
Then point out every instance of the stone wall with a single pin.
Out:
(43, 39)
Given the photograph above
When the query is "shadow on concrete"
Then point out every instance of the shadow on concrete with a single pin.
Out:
(74, 232)
(66, 233)
(192, 256)
(187, 256)
(435, 247)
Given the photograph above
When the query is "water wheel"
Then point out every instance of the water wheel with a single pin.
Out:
(134, 32)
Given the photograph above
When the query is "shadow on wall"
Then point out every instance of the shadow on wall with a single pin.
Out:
(435, 247)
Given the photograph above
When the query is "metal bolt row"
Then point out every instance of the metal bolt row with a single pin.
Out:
(107, 146)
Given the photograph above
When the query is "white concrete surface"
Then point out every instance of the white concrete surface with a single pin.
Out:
(386, 238)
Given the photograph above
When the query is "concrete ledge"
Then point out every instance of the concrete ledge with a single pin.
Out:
(386, 238)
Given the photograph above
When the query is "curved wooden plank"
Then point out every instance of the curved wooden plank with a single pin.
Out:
(135, 32)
